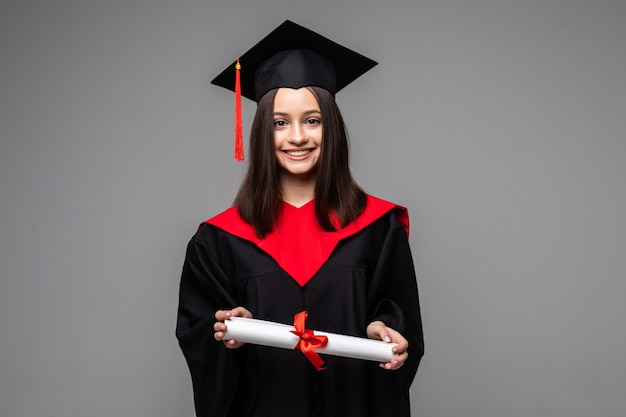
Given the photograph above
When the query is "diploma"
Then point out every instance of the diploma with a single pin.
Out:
(279, 335)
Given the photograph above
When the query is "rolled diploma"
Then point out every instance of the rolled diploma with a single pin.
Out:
(267, 333)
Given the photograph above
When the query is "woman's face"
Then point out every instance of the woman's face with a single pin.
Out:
(297, 131)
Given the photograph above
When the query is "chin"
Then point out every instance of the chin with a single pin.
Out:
(299, 172)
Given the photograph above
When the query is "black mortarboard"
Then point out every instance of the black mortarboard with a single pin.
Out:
(291, 56)
(331, 66)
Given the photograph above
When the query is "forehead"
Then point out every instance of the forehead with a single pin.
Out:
(295, 98)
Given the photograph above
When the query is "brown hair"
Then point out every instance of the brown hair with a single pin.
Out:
(336, 192)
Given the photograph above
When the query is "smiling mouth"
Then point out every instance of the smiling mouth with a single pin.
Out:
(301, 152)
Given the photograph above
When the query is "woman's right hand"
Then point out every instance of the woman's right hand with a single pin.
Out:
(220, 326)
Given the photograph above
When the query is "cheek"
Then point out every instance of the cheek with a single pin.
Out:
(276, 137)
(320, 137)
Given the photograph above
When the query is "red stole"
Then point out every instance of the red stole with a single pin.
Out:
(298, 244)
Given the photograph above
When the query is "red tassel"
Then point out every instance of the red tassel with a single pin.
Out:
(238, 122)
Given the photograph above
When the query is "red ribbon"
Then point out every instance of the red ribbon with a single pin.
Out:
(308, 341)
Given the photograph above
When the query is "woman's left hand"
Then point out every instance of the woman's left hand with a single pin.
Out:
(378, 331)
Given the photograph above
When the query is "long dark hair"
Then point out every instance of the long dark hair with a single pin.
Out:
(337, 195)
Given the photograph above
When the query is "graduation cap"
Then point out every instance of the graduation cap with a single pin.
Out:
(290, 56)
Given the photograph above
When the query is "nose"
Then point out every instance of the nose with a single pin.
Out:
(298, 136)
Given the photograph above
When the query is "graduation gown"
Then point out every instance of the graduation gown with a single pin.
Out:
(344, 280)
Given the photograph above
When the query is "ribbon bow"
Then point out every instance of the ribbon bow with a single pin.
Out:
(308, 341)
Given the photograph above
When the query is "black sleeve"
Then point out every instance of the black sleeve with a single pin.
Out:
(205, 288)
(395, 295)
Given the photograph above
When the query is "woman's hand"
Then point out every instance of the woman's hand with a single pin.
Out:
(377, 330)
(220, 326)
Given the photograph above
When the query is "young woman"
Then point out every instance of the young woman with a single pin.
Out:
(301, 236)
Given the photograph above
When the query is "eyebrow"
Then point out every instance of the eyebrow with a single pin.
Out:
(308, 112)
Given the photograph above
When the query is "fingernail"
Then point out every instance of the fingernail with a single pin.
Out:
(228, 314)
(387, 339)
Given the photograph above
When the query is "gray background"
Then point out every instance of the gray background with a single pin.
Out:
(501, 125)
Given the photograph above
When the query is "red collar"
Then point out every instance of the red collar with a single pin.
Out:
(298, 244)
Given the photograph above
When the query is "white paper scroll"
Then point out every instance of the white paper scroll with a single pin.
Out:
(279, 335)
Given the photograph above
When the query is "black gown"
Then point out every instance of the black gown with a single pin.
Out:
(364, 274)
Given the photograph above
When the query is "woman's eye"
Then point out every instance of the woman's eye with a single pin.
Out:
(313, 121)
(279, 123)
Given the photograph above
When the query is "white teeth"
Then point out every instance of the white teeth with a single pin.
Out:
(299, 153)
